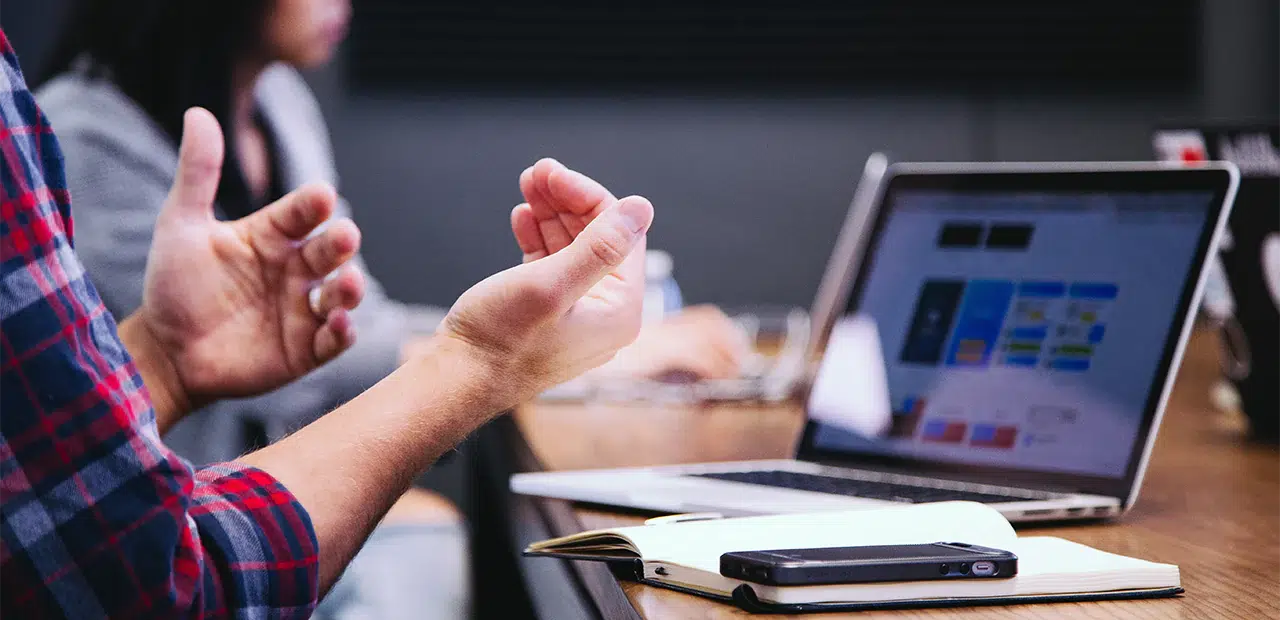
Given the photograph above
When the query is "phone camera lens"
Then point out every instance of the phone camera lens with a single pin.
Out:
(944, 569)
(964, 568)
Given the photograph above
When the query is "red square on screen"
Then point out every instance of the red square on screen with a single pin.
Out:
(1005, 437)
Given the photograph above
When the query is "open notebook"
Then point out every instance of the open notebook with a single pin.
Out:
(686, 556)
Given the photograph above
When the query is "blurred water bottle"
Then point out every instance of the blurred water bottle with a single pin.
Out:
(1218, 303)
(662, 294)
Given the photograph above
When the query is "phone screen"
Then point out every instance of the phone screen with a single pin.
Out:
(880, 552)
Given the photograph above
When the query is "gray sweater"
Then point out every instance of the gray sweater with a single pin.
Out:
(119, 168)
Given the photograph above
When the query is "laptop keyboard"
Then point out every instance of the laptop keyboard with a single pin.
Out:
(869, 489)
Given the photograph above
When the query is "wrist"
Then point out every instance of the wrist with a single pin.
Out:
(475, 374)
(169, 396)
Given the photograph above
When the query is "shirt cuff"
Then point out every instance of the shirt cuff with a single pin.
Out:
(260, 542)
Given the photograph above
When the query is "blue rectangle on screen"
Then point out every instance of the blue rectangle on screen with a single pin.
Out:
(980, 320)
(983, 432)
(1071, 364)
(935, 429)
(1020, 361)
(1096, 332)
(1042, 289)
(1094, 290)
(1028, 333)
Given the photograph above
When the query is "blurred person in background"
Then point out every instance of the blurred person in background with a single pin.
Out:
(121, 76)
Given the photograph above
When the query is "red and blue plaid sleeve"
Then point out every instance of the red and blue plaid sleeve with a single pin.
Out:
(100, 519)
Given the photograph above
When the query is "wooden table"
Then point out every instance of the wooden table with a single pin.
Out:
(1210, 502)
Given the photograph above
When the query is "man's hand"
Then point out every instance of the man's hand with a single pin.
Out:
(227, 307)
(576, 299)
(698, 343)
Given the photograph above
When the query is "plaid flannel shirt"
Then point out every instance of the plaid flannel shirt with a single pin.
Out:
(100, 519)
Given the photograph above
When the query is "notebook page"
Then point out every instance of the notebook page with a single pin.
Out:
(700, 544)
(1050, 565)
(1045, 566)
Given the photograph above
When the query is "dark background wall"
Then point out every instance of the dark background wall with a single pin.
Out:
(750, 189)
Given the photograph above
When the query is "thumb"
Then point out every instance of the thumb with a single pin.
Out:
(199, 165)
(606, 245)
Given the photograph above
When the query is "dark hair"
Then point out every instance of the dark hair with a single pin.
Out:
(168, 55)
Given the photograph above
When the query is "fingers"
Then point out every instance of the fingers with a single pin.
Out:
(606, 245)
(554, 235)
(344, 290)
(699, 341)
(562, 201)
(726, 340)
(576, 192)
(296, 215)
(532, 185)
(336, 297)
(701, 366)
(336, 335)
(551, 187)
(721, 332)
(199, 166)
(709, 354)
(723, 360)
(331, 248)
(525, 228)
(574, 224)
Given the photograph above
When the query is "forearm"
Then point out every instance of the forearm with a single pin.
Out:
(348, 467)
(168, 398)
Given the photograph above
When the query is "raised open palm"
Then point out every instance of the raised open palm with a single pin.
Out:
(229, 302)
(576, 299)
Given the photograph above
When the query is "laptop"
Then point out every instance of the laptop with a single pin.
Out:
(1031, 319)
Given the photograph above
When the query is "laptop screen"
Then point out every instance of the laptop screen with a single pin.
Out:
(1025, 329)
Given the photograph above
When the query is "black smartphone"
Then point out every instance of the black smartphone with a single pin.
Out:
(796, 567)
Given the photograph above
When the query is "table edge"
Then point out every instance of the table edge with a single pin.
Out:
(595, 578)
